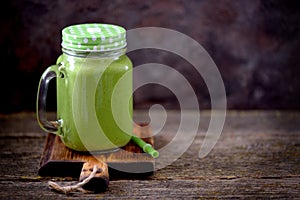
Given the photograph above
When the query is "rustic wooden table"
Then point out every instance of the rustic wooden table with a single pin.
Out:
(257, 156)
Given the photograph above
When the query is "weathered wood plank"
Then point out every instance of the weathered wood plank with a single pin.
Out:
(165, 189)
(257, 156)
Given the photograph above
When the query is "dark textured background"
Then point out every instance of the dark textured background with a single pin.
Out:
(254, 44)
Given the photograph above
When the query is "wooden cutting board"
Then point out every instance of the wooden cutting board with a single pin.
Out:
(131, 162)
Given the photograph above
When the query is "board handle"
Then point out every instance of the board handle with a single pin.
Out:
(99, 183)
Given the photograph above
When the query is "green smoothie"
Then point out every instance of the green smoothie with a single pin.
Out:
(84, 95)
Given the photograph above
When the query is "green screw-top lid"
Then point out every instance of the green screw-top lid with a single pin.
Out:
(93, 37)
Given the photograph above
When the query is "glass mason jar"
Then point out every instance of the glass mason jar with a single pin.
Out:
(94, 89)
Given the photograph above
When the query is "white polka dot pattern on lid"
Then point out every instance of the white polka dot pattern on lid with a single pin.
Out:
(94, 37)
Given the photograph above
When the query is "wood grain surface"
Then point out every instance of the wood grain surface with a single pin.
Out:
(256, 157)
(59, 161)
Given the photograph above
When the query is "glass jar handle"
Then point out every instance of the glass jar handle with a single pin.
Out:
(48, 126)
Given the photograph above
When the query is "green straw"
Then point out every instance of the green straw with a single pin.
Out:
(147, 148)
